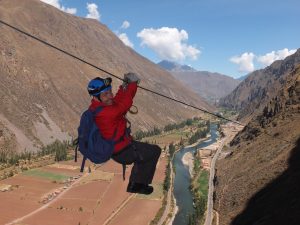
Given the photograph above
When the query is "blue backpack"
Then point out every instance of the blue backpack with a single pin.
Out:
(90, 142)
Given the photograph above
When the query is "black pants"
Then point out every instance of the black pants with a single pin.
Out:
(144, 156)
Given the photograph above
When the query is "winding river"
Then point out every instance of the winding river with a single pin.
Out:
(182, 193)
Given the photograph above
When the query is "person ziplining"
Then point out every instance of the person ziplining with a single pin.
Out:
(109, 115)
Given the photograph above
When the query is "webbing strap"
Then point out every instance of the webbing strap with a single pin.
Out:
(75, 143)
(97, 110)
(76, 149)
(124, 170)
(82, 164)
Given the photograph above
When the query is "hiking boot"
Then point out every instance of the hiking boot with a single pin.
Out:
(139, 188)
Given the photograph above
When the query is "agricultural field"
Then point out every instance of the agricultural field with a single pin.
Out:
(176, 136)
(165, 139)
(59, 194)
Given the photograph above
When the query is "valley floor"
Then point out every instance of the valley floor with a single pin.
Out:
(99, 197)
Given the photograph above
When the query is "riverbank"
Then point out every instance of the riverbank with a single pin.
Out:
(174, 212)
(184, 164)
(188, 160)
(199, 141)
(188, 157)
(196, 163)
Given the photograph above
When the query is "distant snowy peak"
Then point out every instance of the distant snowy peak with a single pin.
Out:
(210, 86)
(175, 67)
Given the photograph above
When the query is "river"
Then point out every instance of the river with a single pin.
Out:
(182, 193)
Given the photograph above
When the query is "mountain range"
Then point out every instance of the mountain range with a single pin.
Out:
(258, 180)
(210, 86)
(43, 91)
(260, 86)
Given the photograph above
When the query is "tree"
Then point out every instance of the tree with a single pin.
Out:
(171, 149)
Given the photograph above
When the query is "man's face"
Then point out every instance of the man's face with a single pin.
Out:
(107, 97)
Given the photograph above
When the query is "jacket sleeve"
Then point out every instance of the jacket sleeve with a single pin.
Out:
(124, 98)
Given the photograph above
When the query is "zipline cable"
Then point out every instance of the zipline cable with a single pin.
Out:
(111, 74)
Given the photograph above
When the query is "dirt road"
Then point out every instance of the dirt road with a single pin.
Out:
(229, 130)
(169, 199)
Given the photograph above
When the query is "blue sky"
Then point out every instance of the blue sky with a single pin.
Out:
(232, 37)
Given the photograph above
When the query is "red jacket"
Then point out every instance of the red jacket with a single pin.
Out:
(112, 117)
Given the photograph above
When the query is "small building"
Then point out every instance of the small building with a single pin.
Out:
(206, 163)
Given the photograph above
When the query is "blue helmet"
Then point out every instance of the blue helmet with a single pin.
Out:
(99, 85)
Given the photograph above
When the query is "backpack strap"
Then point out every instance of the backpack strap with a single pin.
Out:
(76, 144)
(128, 129)
(137, 155)
(124, 170)
(82, 164)
(97, 110)
(76, 149)
(126, 133)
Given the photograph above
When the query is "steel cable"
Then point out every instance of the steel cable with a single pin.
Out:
(117, 77)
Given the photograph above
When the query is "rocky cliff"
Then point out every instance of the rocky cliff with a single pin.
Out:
(250, 97)
(258, 183)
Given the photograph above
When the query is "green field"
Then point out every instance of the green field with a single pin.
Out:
(157, 193)
(200, 180)
(203, 183)
(45, 175)
(167, 138)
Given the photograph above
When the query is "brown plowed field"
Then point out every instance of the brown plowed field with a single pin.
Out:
(159, 176)
(60, 195)
(138, 211)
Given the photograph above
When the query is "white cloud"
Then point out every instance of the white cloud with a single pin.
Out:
(56, 3)
(168, 43)
(125, 24)
(270, 57)
(125, 40)
(93, 11)
(245, 62)
(71, 10)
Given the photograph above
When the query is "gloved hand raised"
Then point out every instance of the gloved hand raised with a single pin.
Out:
(131, 77)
